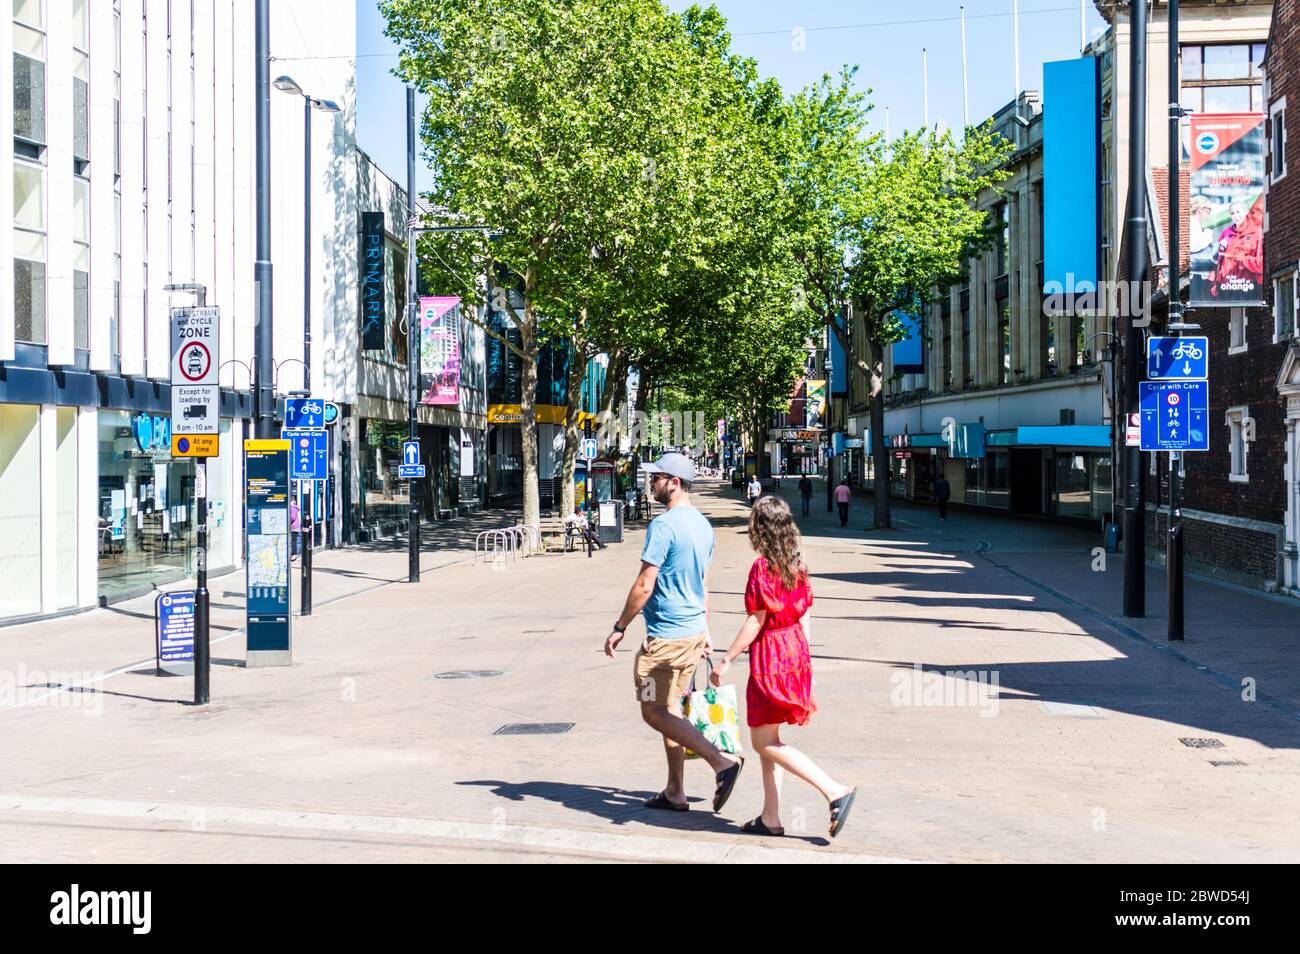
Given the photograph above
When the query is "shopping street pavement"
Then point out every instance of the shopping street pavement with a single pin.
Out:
(973, 676)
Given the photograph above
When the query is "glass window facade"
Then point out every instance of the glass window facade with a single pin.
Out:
(384, 495)
(146, 504)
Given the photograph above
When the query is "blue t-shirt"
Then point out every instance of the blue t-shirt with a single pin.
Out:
(680, 543)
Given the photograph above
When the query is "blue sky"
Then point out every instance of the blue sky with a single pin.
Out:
(884, 39)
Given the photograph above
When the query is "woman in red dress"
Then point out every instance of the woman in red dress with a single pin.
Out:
(778, 598)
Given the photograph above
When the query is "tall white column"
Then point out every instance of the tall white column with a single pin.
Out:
(87, 505)
(6, 193)
(158, 274)
(58, 184)
(134, 251)
(48, 426)
(103, 224)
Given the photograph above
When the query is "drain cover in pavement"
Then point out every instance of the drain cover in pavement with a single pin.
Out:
(534, 728)
(1223, 762)
(467, 674)
(1202, 743)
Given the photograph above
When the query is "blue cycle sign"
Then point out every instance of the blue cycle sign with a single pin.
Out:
(304, 412)
(1178, 359)
(1175, 415)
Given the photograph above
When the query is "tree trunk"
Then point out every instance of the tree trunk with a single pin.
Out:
(528, 401)
(615, 381)
(879, 452)
(572, 432)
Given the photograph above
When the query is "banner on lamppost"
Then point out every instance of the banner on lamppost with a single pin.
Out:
(440, 350)
(371, 274)
(1226, 210)
(816, 403)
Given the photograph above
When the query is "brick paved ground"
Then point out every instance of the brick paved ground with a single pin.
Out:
(359, 752)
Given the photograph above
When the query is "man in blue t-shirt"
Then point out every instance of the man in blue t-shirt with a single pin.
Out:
(672, 593)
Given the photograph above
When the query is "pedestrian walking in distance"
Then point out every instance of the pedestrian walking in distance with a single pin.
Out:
(942, 491)
(805, 492)
(778, 604)
(842, 495)
(755, 489)
(671, 592)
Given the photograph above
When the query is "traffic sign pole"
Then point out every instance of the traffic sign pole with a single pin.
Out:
(202, 656)
(209, 392)
(304, 521)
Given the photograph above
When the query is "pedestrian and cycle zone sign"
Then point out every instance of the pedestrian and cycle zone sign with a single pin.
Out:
(1175, 415)
(1175, 403)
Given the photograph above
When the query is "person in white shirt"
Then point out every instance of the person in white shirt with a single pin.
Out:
(755, 489)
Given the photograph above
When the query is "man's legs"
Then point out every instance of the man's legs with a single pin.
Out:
(806, 499)
(943, 510)
(677, 732)
(844, 514)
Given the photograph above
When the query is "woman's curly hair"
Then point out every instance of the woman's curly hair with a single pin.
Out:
(774, 536)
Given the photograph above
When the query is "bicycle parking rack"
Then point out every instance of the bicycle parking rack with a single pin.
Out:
(497, 545)
(506, 544)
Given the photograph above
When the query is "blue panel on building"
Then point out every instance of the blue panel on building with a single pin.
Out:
(1071, 176)
(1068, 435)
(909, 354)
(839, 366)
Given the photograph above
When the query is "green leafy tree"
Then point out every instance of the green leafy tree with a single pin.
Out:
(876, 225)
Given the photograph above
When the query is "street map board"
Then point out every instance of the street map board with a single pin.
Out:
(266, 469)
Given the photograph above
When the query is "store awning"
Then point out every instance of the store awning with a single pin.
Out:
(1059, 435)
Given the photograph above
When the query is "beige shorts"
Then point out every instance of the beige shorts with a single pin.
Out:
(663, 667)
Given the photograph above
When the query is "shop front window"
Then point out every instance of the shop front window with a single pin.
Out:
(146, 504)
(384, 495)
(1073, 487)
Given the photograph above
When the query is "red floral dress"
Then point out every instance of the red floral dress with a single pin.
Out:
(780, 670)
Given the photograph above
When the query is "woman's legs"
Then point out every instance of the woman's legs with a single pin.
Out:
(770, 748)
(771, 792)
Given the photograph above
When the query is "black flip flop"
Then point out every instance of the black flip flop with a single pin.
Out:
(660, 802)
(726, 782)
(756, 827)
(840, 810)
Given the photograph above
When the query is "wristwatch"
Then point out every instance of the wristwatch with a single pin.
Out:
(618, 628)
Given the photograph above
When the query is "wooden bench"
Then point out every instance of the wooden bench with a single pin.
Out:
(553, 526)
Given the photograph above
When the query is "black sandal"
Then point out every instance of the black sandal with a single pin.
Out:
(726, 782)
(756, 827)
(840, 810)
(661, 802)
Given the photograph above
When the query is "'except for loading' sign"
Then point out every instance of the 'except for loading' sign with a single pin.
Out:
(194, 361)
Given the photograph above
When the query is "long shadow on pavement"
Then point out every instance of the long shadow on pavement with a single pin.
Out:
(619, 806)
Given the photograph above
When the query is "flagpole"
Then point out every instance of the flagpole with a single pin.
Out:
(965, 94)
(925, 85)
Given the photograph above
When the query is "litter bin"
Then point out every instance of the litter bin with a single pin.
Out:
(1112, 537)
(610, 517)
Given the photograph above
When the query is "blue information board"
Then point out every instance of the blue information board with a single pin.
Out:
(1178, 359)
(309, 453)
(175, 615)
(304, 412)
(266, 497)
(1175, 415)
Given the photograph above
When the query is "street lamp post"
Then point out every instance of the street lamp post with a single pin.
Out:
(264, 340)
(1135, 239)
(286, 85)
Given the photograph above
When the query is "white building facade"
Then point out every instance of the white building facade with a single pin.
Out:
(132, 168)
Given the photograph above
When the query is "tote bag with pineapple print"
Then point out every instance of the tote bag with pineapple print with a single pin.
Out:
(713, 711)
